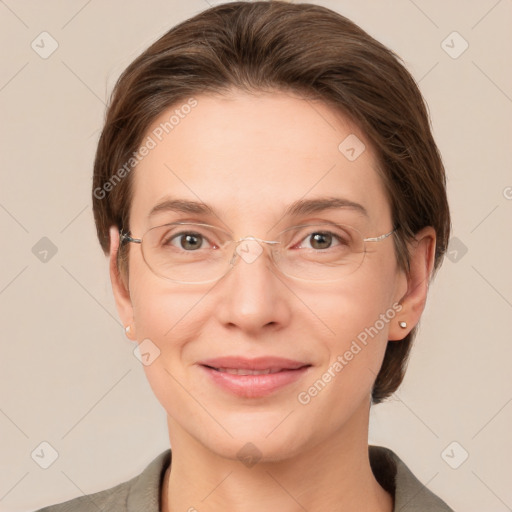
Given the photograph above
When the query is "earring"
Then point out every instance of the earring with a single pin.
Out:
(403, 325)
(127, 329)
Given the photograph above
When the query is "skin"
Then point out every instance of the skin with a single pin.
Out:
(249, 156)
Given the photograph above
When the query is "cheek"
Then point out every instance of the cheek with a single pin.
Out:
(163, 314)
(159, 306)
(353, 351)
(353, 356)
(352, 306)
(165, 322)
(356, 314)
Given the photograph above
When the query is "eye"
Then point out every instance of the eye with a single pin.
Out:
(187, 241)
(184, 238)
(321, 240)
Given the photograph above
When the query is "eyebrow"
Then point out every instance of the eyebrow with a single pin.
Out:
(296, 209)
(309, 206)
(181, 206)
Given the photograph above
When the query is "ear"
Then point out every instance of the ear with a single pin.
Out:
(120, 287)
(422, 254)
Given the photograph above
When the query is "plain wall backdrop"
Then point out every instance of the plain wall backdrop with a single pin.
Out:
(68, 375)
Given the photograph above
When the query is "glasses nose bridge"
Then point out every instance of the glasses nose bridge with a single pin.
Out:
(236, 244)
(256, 239)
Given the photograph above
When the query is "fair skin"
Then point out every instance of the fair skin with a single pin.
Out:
(249, 157)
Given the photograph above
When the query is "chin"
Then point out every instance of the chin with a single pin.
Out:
(256, 451)
(256, 438)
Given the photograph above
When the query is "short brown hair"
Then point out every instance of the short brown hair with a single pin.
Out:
(301, 48)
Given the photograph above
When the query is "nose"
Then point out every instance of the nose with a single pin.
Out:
(252, 295)
(249, 248)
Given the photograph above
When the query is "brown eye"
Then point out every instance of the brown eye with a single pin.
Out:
(320, 240)
(187, 241)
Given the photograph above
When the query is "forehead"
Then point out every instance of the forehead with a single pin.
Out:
(250, 156)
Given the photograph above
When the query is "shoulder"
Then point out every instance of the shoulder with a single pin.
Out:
(139, 493)
(410, 495)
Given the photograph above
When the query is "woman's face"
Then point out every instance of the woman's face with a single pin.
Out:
(249, 157)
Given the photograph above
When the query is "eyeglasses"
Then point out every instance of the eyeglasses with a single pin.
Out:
(194, 253)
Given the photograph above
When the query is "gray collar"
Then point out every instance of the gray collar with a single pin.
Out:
(410, 495)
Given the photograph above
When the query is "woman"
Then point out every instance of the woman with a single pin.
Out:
(273, 205)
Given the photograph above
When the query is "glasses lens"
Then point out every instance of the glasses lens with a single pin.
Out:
(186, 253)
(320, 252)
(195, 253)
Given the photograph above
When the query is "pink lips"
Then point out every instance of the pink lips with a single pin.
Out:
(252, 378)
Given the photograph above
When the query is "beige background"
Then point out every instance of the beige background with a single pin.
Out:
(68, 375)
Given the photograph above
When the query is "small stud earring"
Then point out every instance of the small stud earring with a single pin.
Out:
(127, 329)
(403, 325)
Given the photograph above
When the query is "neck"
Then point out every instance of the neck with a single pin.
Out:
(333, 475)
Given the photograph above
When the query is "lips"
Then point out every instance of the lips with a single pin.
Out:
(258, 363)
(252, 378)
(245, 371)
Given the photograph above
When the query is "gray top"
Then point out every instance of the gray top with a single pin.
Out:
(142, 493)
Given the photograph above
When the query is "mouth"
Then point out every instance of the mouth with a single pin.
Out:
(253, 378)
(243, 371)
